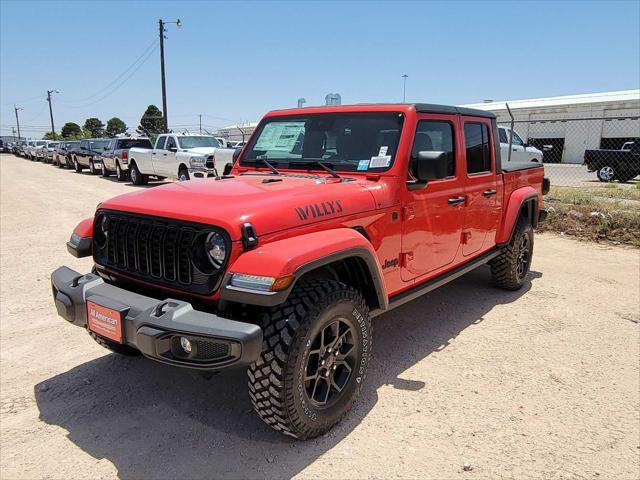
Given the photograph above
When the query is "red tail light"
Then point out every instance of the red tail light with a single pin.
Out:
(124, 155)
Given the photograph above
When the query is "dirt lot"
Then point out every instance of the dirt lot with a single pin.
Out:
(541, 383)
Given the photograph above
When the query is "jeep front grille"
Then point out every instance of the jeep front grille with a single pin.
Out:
(155, 250)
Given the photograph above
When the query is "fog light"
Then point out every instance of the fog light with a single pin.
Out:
(185, 344)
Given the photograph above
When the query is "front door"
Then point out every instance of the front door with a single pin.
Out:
(432, 223)
(482, 210)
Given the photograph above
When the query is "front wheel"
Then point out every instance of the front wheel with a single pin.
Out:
(76, 165)
(606, 174)
(509, 269)
(183, 175)
(92, 168)
(314, 361)
(136, 177)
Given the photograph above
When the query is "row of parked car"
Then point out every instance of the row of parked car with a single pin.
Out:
(178, 156)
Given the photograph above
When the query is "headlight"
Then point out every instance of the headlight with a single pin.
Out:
(197, 161)
(216, 248)
(101, 233)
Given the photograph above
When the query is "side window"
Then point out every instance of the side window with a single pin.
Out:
(478, 149)
(171, 143)
(434, 135)
(160, 142)
(516, 139)
(503, 135)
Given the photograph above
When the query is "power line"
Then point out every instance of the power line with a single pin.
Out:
(117, 87)
(115, 80)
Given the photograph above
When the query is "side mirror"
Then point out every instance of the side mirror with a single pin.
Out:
(227, 169)
(173, 149)
(105, 148)
(236, 154)
(431, 165)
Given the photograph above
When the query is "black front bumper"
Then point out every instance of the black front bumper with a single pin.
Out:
(154, 327)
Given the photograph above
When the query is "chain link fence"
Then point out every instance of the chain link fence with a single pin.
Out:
(593, 164)
(578, 151)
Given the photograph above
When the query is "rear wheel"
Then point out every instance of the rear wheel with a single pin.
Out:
(606, 174)
(120, 174)
(510, 268)
(314, 361)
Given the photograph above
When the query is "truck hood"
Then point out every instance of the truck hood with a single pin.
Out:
(270, 203)
(200, 150)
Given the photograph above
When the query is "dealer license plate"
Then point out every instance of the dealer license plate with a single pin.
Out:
(104, 321)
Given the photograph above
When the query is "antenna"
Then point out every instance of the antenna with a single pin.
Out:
(510, 133)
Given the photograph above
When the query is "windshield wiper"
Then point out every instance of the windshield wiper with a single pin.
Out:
(324, 166)
(271, 167)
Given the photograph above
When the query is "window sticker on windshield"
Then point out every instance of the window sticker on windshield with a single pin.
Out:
(383, 151)
(363, 165)
(380, 161)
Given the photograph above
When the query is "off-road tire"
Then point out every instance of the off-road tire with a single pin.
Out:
(507, 269)
(115, 347)
(136, 177)
(276, 380)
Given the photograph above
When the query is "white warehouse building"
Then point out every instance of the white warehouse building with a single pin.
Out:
(564, 127)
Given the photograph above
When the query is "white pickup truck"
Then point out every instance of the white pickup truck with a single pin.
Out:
(520, 151)
(179, 156)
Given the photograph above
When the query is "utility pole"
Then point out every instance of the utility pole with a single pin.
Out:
(17, 120)
(200, 123)
(53, 129)
(13, 130)
(404, 88)
(162, 76)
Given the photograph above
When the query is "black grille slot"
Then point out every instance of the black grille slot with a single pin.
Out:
(155, 250)
(209, 350)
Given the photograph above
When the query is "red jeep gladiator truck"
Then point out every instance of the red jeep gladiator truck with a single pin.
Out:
(329, 216)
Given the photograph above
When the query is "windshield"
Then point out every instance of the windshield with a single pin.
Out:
(134, 143)
(197, 142)
(343, 141)
(98, 144)
(39, 144)
(53, 144)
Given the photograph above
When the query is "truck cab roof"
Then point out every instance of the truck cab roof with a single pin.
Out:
(372, 107)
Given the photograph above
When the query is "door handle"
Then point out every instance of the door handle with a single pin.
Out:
(488, 193)
(153, 153)
(455, 200)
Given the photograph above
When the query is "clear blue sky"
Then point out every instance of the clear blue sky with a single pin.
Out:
(234, 61)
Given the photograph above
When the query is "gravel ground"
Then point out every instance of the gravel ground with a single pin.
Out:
(541, 383)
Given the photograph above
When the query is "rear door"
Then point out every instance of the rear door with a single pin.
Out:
(157, 155)
(482, 209)
(432, 222)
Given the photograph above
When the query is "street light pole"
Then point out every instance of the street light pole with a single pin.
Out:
(162, 76)
(17, 120)
(404, 88)
(53, 129)
(200, 116)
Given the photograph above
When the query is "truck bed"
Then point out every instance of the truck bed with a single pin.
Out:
(517, 166)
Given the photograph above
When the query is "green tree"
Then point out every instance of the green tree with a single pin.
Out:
(71, 130)
(115, 126)
(49, 136)
(94, 126)
(151, 122)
